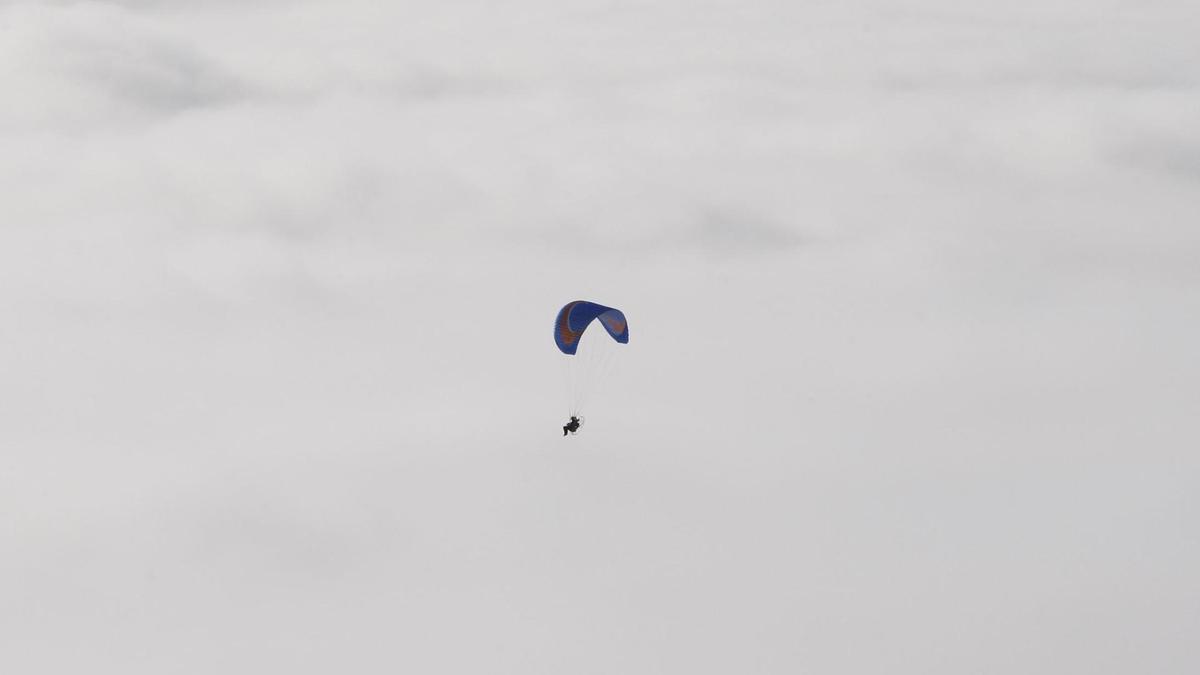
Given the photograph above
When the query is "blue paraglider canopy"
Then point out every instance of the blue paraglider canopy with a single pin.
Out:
(576, 316)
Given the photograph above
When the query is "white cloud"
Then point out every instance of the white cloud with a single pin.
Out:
(911, 379)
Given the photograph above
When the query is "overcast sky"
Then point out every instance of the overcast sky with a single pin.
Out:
(912, 384)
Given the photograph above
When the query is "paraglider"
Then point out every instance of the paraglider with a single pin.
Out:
(588, 354)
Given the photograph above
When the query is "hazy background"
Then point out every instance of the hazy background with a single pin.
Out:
(912, 387)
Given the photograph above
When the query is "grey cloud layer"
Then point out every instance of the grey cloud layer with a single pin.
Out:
(911, 388)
